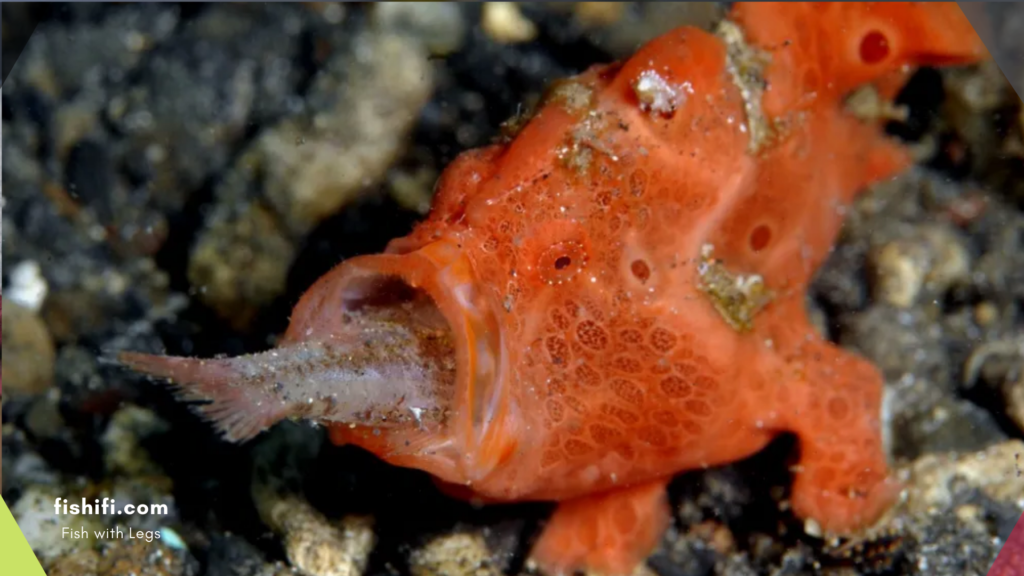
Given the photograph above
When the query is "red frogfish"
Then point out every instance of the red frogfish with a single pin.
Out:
(615, 293)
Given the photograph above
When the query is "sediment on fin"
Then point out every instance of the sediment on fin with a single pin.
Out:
(583, 141)
(575, 95)
(737, 297)
(746, 65)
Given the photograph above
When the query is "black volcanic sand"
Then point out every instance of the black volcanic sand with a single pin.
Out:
(146, 158)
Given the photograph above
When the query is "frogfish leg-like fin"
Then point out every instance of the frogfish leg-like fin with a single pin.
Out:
(610, 533)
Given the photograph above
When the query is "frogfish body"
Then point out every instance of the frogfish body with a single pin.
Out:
(616, 293)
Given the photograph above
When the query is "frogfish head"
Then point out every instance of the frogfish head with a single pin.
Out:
(397, 352)
(436, 286)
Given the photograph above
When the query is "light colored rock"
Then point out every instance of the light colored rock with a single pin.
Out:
(29, 353)
(314, 166)
(505, 23)
(121, 557)
(240, 261)
(899, 269)
(43, 529)
(1014, 392)
(27, 288)
(932, 479)
(457, 554)
(930, 260)
(439, 25)
(123, 453)
(314, 545)
(599, 13)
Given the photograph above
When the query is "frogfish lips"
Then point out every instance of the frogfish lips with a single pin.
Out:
(439, 282)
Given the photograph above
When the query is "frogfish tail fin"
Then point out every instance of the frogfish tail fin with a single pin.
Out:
(238, 409)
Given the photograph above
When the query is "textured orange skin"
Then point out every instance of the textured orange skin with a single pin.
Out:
(594, 381)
